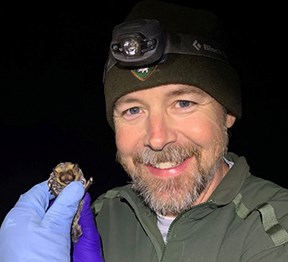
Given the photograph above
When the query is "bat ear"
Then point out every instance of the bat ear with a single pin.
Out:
(55, 171)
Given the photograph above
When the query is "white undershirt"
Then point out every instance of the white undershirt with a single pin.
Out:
(163, 223)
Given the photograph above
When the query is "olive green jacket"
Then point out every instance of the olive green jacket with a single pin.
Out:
(245, 219)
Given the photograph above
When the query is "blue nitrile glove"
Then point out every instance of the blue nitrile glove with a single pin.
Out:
(88, 247)
(31, 233)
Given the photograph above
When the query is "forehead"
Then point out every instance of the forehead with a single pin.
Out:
(166, 90)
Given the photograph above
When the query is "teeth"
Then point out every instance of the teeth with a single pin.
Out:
(164, 165)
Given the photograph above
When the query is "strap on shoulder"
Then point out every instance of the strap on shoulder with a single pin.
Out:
(276, 232)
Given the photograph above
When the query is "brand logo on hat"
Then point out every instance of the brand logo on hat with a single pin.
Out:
(197, 45)
(143, 73)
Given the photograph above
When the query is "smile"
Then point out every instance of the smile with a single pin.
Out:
(165, 165)
(168, 169)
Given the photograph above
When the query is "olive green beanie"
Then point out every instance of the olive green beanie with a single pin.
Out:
(216, 77)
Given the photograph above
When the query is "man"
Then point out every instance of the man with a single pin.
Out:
(171, 96)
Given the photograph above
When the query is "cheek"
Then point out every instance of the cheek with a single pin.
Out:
(201, 131)
(126, 140)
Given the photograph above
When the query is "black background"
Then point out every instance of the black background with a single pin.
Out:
(52, 104)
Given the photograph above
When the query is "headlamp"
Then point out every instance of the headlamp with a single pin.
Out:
(142, 43)
(138, 43)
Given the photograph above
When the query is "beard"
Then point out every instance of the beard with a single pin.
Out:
(174, 195)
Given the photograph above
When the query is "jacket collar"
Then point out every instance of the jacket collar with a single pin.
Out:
(232, 183)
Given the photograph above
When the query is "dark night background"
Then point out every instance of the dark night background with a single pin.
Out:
(52, 110)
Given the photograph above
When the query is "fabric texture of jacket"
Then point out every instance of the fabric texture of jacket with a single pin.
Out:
(245, 219)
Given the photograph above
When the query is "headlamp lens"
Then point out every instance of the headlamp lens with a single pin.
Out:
(131, 47)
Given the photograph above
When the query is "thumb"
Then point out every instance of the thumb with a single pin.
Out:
(60, 215)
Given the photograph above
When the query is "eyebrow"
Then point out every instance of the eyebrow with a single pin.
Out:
(126, 100)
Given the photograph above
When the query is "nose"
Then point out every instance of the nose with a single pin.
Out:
(159, 132)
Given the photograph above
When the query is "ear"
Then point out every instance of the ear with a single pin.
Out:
(230, 120)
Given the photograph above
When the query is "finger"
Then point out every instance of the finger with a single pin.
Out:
(36, 199)
(60, 215)
(88, 247)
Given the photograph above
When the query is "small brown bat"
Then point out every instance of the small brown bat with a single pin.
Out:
(63, 174)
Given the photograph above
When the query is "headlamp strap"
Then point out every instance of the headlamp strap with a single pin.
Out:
(193, 45)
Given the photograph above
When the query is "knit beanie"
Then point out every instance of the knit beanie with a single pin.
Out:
(205, 66)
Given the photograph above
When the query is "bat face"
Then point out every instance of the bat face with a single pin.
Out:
(63, 174)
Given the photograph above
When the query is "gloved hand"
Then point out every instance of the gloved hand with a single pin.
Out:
(31, 233)
(88, 247)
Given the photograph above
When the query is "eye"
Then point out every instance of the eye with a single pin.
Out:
(132, 111)
(184, 103)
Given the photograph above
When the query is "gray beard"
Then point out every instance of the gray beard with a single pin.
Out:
(177, 194)
(181, 193)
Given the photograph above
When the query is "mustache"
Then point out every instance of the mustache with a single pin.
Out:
(172, 153)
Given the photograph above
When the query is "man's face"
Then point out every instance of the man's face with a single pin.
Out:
(171, 141)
